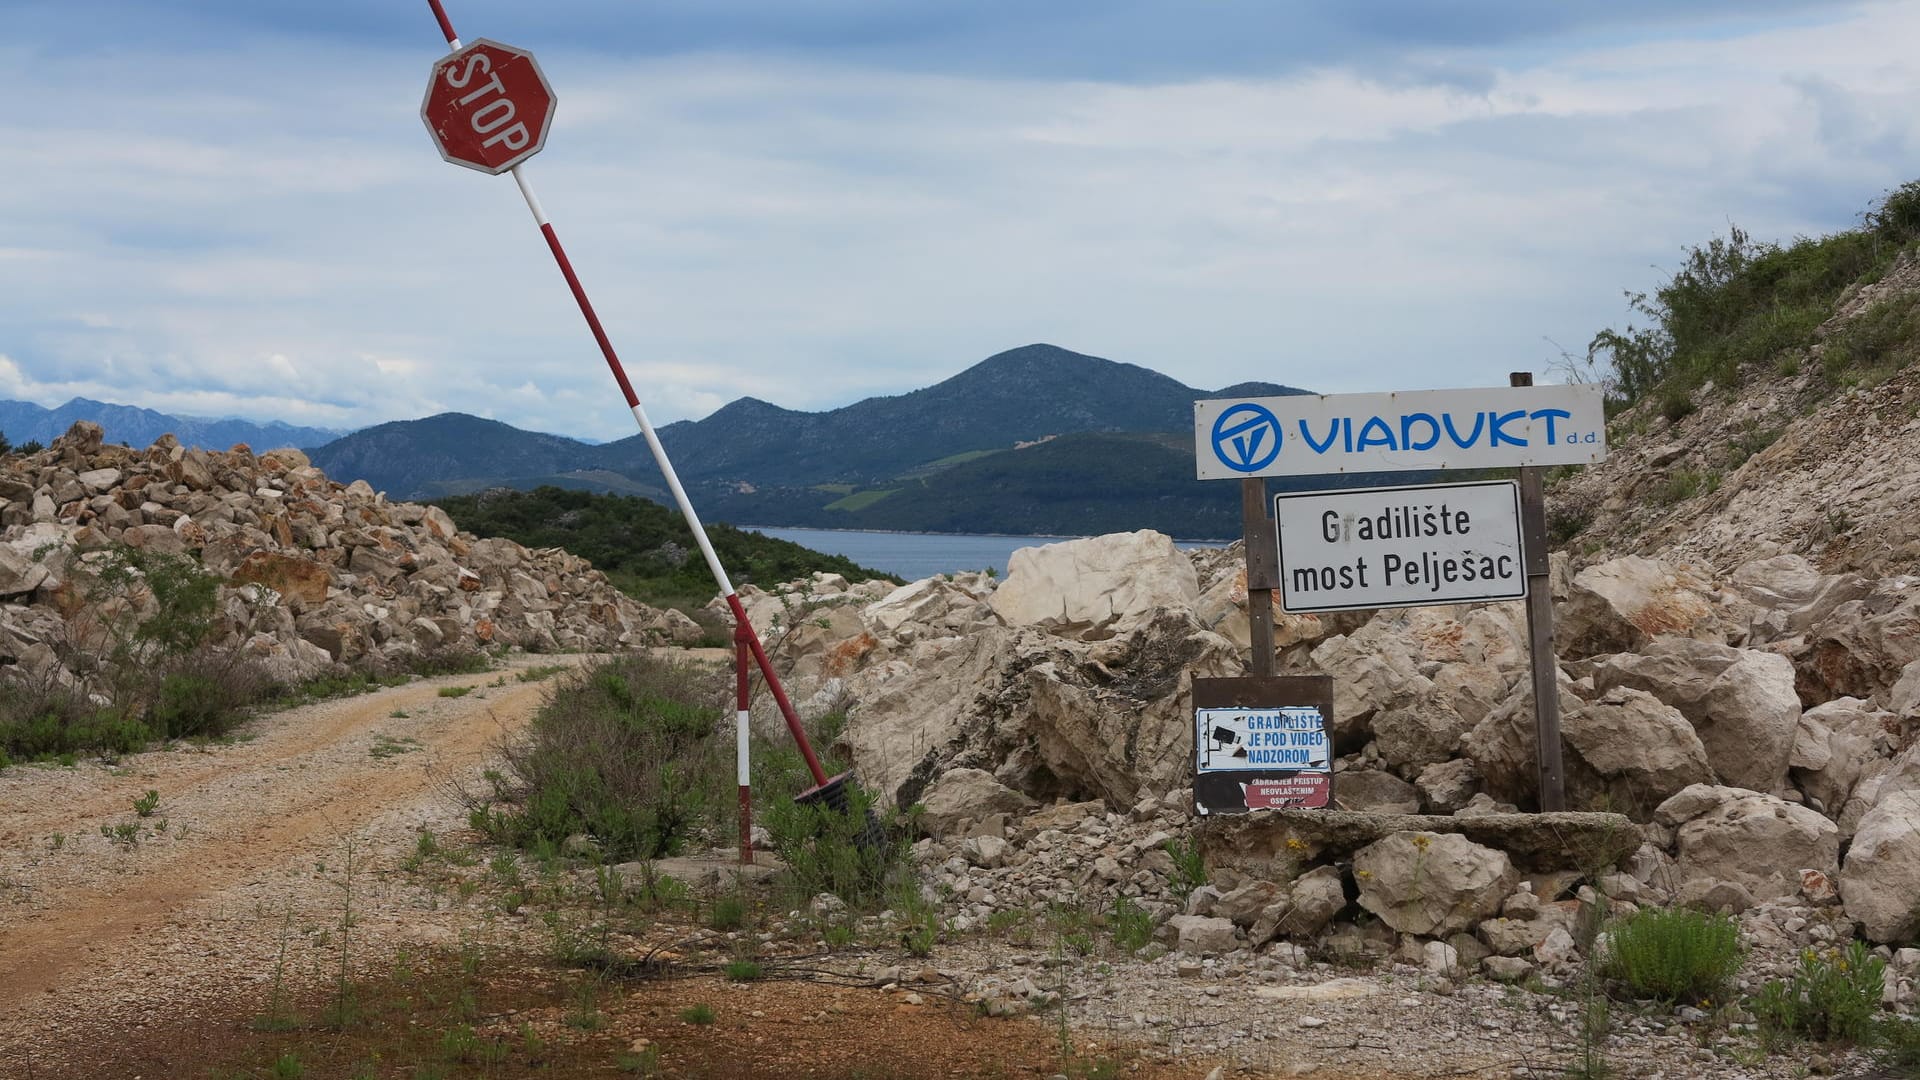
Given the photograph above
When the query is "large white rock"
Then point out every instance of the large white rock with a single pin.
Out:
(1116, 581)
(1625, 751)
(959, 795)
(1621, 604)
(1742, 702)
(1753, 840)
(1880, 883)
(1432, 884)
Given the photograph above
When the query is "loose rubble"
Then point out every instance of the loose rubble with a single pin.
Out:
(313, 572)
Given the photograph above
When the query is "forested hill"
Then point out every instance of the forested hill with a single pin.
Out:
(1034, 439)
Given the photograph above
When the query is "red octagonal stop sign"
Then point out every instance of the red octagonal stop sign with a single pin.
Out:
(488, 106)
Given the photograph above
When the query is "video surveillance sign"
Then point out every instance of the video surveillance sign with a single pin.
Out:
(1262, 743)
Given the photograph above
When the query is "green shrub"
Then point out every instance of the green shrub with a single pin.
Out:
(1736, 302)
(855, 854)
(729, 913)
(1832, 997)
(1130, 924)
(1189, 866)
(628, 755)
(1673, 955)
(1896, 1045)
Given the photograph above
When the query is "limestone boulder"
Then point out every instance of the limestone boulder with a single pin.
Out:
(1432, 884)
(1741, 702)
(1880, 883)
(1102, 583)
(927, 607)
(1622, 604)
(1422, 730)
(1756, 841)
(1302, 909)
(1622, 750)
(303, 582)
(1862, 647)
(1368, 676)
(1843, 747)
(961, 795)
(1374, 791)
(1791, 596)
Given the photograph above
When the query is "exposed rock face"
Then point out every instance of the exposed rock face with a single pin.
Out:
(314, 572)
(1105, 583)
(1675, 683)
(1621, 605)
(1432, 884)
(1755, 841)
(1624, 751)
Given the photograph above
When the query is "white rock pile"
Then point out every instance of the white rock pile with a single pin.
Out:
(313, 572)
(1757, 729)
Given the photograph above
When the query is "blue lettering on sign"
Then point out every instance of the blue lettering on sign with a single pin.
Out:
(1246, 438)
(1243, 445)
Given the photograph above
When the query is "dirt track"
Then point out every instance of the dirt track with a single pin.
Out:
(96, 933)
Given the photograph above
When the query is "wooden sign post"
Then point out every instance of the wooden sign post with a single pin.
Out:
(1546, 664)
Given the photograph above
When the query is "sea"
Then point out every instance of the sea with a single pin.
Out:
(918, 555)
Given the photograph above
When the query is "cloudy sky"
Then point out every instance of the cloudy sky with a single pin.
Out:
(232, 208)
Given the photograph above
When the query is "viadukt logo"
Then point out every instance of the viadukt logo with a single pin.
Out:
(1246, 438)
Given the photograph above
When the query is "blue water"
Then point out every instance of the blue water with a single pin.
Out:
(918, 555)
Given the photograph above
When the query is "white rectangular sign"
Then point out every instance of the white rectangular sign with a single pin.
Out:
(1308, 434)
(1239, 739)
(1400, 546)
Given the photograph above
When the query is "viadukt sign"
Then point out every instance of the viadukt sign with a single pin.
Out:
(1314, 434)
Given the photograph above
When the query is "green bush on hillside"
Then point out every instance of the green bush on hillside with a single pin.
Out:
(1735, 302)
(643, 547)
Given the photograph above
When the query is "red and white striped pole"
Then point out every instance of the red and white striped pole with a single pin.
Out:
(747, 640)
(743, 716)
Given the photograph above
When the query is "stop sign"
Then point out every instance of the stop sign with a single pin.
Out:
(488, 106)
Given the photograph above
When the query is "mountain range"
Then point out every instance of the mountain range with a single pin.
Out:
(23, 422)
(1037, 439)
(1034, 440)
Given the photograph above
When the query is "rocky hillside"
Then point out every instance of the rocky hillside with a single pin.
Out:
(1804, 449)
(310, 572)
(1743, 741)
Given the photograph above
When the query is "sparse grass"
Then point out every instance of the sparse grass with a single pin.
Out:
(697, 1014)
(386, 746)
(1189, 866)
(744, 970)
(729, 913)
(1130, 924)
(146, 804)
(541, 672)
(454, 691)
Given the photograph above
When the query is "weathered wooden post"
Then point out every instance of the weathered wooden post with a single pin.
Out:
(1546, 663)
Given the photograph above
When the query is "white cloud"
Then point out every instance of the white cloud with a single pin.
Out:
(809, 235)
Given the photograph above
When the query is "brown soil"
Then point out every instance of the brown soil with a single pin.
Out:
(157, 957)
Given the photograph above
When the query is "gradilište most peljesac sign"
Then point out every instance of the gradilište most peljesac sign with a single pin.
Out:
(1315, 434)
(1400, 546)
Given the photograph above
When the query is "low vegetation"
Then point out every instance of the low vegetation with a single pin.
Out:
(643, 547)
(143, 644)
(1738, 305)
(1673, 955)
